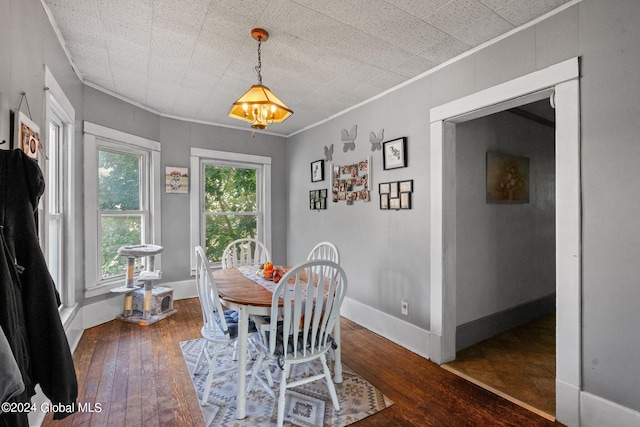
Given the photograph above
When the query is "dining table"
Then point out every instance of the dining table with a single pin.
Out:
(243, 290)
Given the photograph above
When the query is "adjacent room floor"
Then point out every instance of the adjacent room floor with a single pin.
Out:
(518, 364)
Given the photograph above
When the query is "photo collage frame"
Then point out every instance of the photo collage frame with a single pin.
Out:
(396, 195)
(318, 199)
(352, 182)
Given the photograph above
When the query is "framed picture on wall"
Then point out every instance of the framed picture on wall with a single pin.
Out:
(176, 179)
(317, 171)
(384, 201)
(507, 178)
(406, 186)
(394, 153)
(393, 189)
(405, 200)
(26, 134)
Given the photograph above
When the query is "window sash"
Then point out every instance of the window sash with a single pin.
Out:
(99, 138)
(258, 202)
(201, 157)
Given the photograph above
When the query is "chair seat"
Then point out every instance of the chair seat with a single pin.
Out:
(231, 318)
(279, 351)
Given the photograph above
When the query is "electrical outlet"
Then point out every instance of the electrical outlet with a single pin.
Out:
(404, 306)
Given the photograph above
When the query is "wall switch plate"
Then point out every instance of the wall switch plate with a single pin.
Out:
(404, 306)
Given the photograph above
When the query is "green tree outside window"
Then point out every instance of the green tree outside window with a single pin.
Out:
(230, 205)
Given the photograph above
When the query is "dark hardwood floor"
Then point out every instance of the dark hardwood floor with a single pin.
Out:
(139, 377)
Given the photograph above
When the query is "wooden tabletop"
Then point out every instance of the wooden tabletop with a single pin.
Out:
(235, 287)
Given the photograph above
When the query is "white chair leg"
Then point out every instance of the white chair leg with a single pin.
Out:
(207, 386)
(199, 361)
(330, 386)
(282, 397)
(254, 371)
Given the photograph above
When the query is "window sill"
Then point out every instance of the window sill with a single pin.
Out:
(66, 314)
(102, 288)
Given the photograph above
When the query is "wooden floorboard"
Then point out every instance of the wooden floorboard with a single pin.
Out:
(139, 377)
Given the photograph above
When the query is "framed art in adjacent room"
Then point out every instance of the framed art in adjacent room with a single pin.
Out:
(507, 178)
(317, 171)
(394, 153)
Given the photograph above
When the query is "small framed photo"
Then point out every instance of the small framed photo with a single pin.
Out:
(405, 200)
(384, 201)
(26, 135)
(406, 186)
(317, 171)
(176, 179)
(393, 190)
(394, 153)
(384, 188)
(394, 203)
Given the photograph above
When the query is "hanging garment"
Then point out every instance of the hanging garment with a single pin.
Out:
(11, 383)
(46, 359)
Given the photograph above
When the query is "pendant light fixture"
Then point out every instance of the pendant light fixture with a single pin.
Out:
(259, 106)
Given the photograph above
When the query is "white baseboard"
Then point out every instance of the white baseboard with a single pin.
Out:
(596, 412)
(400, 332)
(567, 404)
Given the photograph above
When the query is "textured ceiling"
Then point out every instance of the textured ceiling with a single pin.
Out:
(193, 58)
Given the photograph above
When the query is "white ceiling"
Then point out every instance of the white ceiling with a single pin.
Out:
(193, 58)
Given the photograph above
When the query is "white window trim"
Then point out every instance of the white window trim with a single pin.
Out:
(200, 155)
(93, 132)
(57, 104)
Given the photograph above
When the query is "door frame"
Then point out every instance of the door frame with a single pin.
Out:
(560, 82)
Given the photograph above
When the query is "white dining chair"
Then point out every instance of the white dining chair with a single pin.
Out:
(299, 330)
(325, 250)
(245, 252)
(220, 327)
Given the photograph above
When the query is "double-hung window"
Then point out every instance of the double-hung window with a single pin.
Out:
(230, 199)
(56, 212)
(122, 200)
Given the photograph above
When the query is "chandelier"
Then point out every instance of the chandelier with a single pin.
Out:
(259, 106)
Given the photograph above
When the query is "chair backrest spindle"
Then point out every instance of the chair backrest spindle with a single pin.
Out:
(245, 252)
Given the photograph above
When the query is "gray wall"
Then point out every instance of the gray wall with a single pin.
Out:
(27, 44)
(610, 109)
(386, 254)
(177, 138)
(505, 253)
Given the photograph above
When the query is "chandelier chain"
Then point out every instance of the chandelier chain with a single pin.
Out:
(259, 67)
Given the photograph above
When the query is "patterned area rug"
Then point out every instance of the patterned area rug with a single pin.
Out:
(307, 405)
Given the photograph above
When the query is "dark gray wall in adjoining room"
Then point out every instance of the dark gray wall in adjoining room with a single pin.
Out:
(505, 252)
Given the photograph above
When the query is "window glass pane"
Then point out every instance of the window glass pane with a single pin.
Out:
(230, 189)
(118, 231)
(54, 239)
(118, 180)
(224, 229)
(54, 164)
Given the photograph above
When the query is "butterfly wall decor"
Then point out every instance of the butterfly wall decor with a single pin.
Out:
(328, 153)
(348, 138)
(376, 140)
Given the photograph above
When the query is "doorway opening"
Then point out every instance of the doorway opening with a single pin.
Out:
(559, 81)
(505, 254)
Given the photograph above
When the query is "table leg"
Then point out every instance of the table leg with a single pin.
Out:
(243, 336)
(337, 367)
